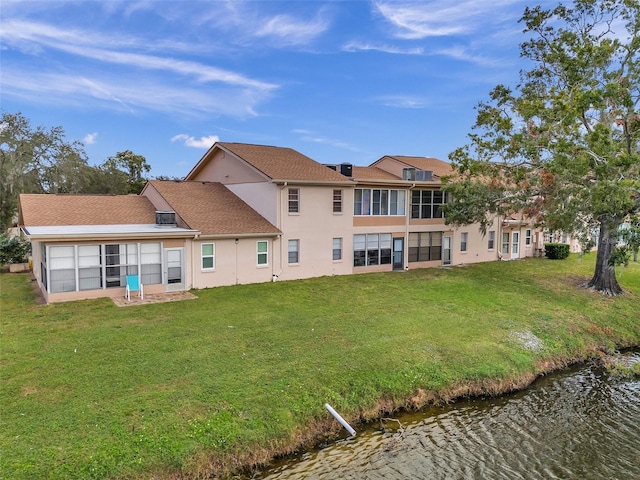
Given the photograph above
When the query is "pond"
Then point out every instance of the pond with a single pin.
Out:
(581, 423)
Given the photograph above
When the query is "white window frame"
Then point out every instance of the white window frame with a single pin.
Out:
(293, 251)
(527, 236)
(505, 243)
(464, 241)
(264, 263)
(337, 249)
(293, 201)
(337, 201)
(491, 242)
(211, 256)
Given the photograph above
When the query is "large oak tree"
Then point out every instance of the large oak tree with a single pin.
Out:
(563, 146)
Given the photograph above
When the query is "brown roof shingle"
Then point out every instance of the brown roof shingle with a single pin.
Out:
(212, 208)
(279, 163)
(63, 209)
(373, 173)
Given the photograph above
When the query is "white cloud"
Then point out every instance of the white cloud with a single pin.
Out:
(402, 101)
(417, 20)
(90, 138)
(292, 31)
(358, 46)
(189, 141)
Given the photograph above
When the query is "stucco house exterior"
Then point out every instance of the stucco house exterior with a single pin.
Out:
(254, 213)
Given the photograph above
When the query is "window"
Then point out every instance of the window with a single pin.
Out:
(427, 203)
(89, 267)
(294, 200)
(464, 237)
(263, 252)
(294, 251)
(208, 256)
(372, 249)
(337, 248)
(491, 244)
(527, 237)
(62, 269)
(425, 246)
(378, 202)
(505, 242)
(92, 267)
(337, 201)
(121, 260)
(150, 263)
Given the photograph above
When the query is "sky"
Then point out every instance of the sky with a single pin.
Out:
(339, 81)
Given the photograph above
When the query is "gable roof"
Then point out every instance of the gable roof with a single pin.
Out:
(438, 167)
(212, 208)
(67, 209)
(278, 163)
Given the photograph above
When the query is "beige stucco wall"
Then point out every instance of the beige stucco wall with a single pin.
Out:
(235, 263)
(315, 226)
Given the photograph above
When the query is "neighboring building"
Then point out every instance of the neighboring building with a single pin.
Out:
(252, 213)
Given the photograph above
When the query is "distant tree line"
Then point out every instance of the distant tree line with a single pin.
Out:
(42, 160)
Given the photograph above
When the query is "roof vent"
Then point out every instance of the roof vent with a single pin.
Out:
(332, 167)
(165, 219)
(346, 169)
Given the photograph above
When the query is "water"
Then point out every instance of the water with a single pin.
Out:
(578, 424)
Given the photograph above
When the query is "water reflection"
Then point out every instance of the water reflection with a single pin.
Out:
(579, 424)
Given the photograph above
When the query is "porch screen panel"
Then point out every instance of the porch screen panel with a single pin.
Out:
(89, 267)
(359, 250)
(62, 269)
(436, 246)
(150, 263)
(385, 248)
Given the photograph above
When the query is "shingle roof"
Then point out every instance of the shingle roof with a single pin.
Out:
(212, 208)
(373, 173)
(62, 209)
(279, 163)
(438, 167)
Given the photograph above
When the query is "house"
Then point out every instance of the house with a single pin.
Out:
(254, 213)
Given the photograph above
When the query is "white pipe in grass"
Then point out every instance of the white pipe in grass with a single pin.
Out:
(342, 421)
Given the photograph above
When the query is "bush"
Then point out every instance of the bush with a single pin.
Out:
(13, 250)
(556, 251)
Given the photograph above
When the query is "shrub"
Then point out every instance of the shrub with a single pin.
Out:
(556, 251)
(13, 249)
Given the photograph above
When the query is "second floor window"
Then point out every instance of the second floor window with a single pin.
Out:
(294, 200)
(368, 201)
(337, 201)
(427, 203)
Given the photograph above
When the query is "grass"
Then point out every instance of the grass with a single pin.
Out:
(180, 390)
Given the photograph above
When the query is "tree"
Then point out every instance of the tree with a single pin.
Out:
(135, 167)
(563, 146)
(36, 161)
(630, 234)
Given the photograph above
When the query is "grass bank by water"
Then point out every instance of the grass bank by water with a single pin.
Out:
(181, 390)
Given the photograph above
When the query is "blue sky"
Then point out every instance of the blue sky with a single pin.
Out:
(340, 81)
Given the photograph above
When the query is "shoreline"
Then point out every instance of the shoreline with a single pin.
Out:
(328, 430)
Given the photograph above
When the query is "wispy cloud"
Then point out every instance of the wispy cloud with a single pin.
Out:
(360, 47)
(417, 20)
(90, 138)
(401, 101)
(288, 30)
(309, 136)
(202, 142)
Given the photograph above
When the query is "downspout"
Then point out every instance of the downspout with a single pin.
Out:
(275, 275)
(193, 260)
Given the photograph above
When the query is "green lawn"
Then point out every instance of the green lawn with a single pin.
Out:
(91, 390)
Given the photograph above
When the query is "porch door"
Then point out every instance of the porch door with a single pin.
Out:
(515, 245)
(446, 250)
(174, 269)
(398, 253)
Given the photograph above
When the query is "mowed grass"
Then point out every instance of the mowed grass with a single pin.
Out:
(91, 390)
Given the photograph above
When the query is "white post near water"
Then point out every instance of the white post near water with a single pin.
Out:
(342, 421)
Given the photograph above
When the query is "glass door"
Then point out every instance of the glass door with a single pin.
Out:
(446, 250)
(398, 253)
(174, 269)
(515, 245)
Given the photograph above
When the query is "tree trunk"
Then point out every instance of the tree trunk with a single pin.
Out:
(604, 279)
